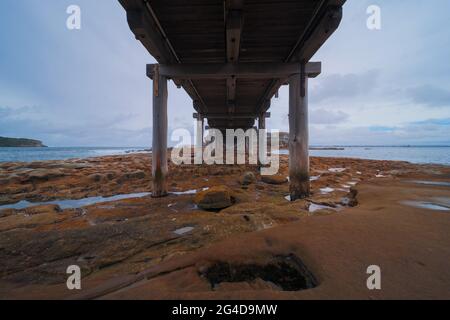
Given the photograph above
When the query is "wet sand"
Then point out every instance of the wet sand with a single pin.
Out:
(372, 213)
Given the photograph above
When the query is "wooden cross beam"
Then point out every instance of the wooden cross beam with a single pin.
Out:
(269, 70)
(228, 116)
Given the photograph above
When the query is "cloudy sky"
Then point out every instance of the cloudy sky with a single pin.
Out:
(88, 87)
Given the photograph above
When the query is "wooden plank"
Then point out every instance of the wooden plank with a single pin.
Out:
(298, 138)
(239, 70)
(159, 145)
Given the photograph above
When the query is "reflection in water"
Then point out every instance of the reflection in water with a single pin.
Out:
(316, 207)
(73, 204)
(427, 205)
(183, 230)
(326, 190)
(433, 183)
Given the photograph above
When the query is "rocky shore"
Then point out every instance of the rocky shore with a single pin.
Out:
(220, 218)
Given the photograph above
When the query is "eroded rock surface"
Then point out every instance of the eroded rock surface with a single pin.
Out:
(125, 237)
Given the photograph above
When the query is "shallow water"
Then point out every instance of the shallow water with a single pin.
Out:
(427, 205)
(74, 204)
(316, 207)
(337, 170)
(43, 154)
(433, 183)
(183, 230)
(326, 190)
(414, 154)
(438, 155)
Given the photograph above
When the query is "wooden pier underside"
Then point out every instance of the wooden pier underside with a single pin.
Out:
(234, 31)
(231, 57)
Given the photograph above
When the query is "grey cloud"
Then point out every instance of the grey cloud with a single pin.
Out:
(345, 85)
(29, 122)
(429, 95)
(432, 131)
(322, 116)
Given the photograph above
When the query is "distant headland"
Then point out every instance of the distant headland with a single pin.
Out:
(20, 142)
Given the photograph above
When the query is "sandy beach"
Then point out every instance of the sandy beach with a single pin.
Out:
(361, 213)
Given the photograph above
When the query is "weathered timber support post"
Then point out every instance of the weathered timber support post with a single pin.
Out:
(159, 148)
(298, 136)
(199, 138)
(262, 121)
(262, 140)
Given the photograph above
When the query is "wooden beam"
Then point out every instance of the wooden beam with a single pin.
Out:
(268, 70)
(327, 19)
(313, 40)
(231, 93)
(234, 22)
(159, 146)
(148, 30)
(233, 26)
(298, 138)
(228, 116)
(234, 116)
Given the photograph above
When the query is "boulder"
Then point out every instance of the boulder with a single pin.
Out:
(248, 178)
(215, 198)
(95, 177)
(275, 179)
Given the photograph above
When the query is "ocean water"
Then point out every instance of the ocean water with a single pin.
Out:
(42, 154)
(437, 155)
(414, 154)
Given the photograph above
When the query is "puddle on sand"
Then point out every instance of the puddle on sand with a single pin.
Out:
(184, 230)
(427, 205)
(314, 178)
(432, 183)
(316, 207)
(326, 190)
(337, 170)
(194, 191)
(74, 204)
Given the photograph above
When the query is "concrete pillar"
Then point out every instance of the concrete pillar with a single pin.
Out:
(159, 149)
(298, 137)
